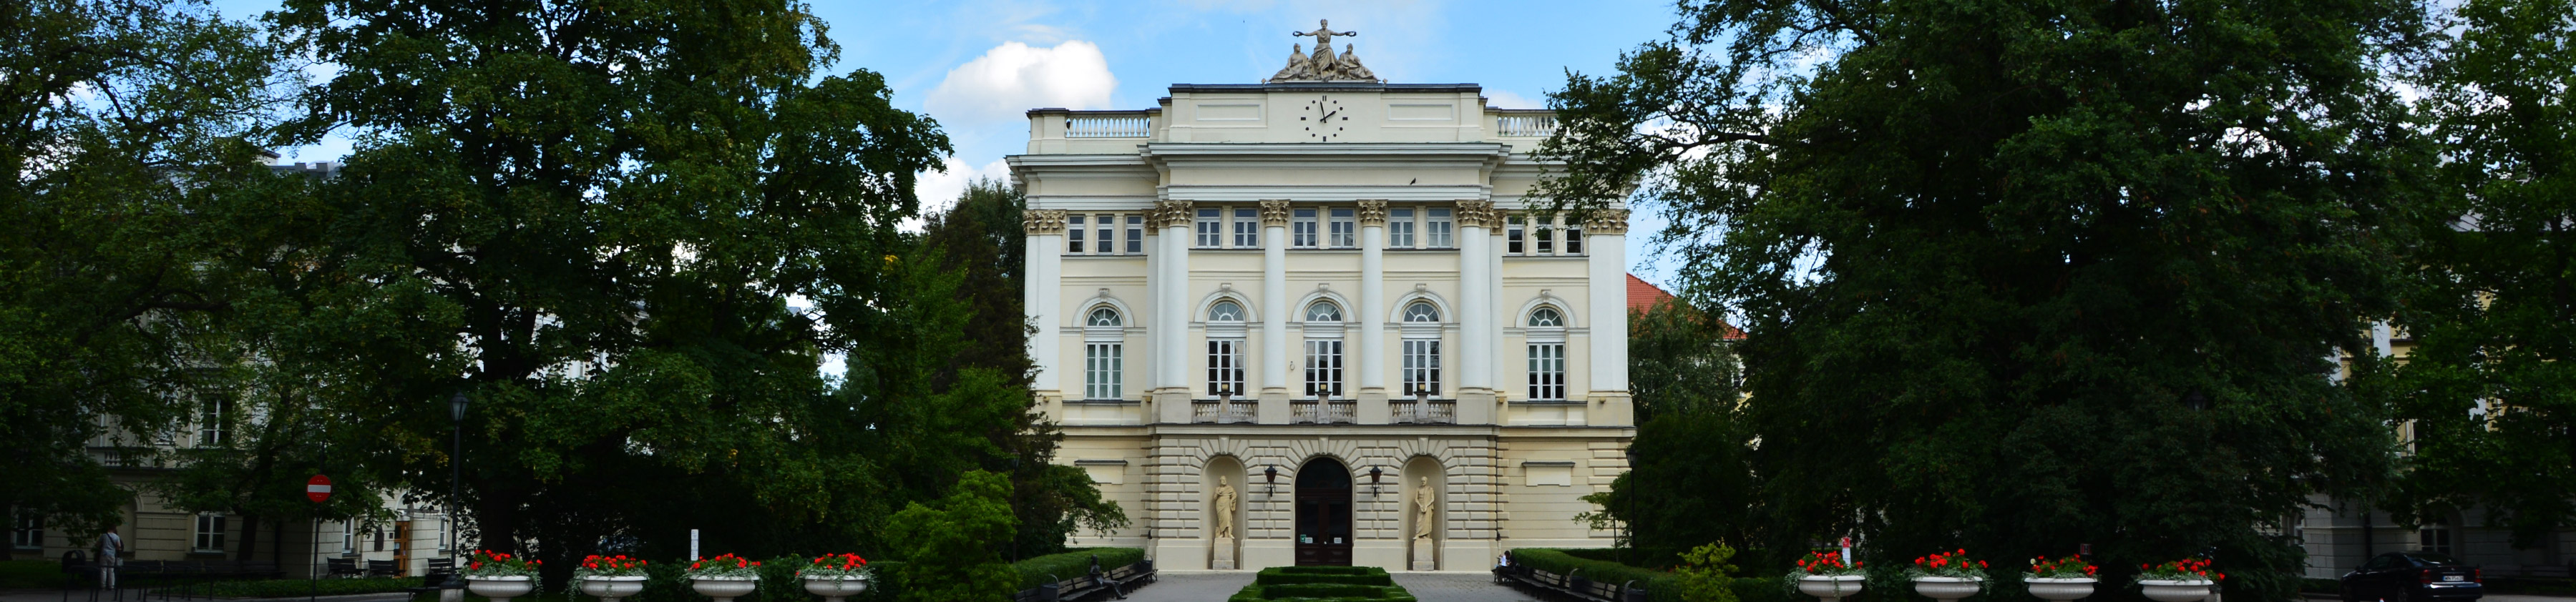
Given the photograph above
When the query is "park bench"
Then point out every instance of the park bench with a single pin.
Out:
(1574, 585)
(342, 567)
(1116, 581)
(383, 568)
(435, 576)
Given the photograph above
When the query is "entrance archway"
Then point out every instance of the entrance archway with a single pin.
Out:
(1323, 513)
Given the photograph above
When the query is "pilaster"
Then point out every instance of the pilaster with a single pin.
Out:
(1606, 267)
(1041, 295)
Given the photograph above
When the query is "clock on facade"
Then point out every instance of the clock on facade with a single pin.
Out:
(1321, 115)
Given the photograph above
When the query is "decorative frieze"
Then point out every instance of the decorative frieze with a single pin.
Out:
(1606, 221)
(1372, 213)
(1040, 222)
(1274, 213)
(1479, 214)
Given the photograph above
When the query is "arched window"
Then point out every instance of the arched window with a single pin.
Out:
(1546, 317)
(1323, 311)
(1225, 311)
(1103, 317)
(1421, 311)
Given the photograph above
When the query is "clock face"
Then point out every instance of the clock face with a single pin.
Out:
(1324, 119)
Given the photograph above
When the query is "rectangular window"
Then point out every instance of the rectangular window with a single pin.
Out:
(1422, 367)
(1324, 368)
(2433, 538)
(1346, 228)
(1225, 367)
(26, 529)
(1574, 239)
(1547, 372)
(1512, 242)
(1546, 236)
(348, 537)
(1210, 226)
(211, 429)
(1102, 367)
(1107, 241)
(1399, 228)
(1135, 234)
(380, 540)
(1301, 228)
(209, 533)
(1436, 227)
(1072, 237)
(1247, 228)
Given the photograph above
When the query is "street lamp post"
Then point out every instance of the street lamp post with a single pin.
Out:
(455, 476)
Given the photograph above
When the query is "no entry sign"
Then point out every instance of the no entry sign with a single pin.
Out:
(318, 488)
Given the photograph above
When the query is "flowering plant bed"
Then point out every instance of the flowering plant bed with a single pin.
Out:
(837, 567)
(2071, 567)
(724, 567)
(2196, 569)
(487, 564)
(1954, 565)
(603, 567)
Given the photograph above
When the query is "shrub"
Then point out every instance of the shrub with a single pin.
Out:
(1660, 586)
(1321, 592)
(297, 588)
(1360, 575)
(1041, 570)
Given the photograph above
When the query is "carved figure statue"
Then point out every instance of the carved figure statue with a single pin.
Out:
(1224, 508)
(1422, 510)
(1299, 67)
(1323, 34)
(1350, 66)
(1322, 64)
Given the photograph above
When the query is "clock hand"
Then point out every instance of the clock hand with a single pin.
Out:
(1329, 116)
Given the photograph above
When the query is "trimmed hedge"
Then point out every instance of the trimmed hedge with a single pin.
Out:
(1660, 586)
(1356, 575)
(294, 588)
(1073, 563)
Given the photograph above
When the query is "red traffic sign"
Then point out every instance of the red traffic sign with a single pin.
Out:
(318, 488)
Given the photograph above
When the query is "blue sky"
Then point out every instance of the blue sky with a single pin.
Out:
(976, 65)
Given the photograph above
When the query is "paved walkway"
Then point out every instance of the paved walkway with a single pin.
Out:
(1430, 587)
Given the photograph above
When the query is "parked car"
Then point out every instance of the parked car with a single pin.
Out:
(2413, 577)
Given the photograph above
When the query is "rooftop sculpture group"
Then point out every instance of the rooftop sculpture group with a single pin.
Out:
(1323, 65)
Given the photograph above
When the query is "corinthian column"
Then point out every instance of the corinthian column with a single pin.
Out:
(1370, 315)
(1274, 305)
(1172, 308)
(1477, 324)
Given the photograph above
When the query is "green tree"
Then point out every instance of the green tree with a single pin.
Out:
(595, 220)
(952, 549)
(1678, 361)
(129, 132)
(2019, 276)
(1693, 481)
(2490, 385)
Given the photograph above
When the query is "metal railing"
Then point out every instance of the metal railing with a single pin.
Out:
(1223, 411)
(1108, 127)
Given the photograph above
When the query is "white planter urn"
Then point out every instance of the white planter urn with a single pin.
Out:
(612, 588)
(1829, 588)
(2170, 590)
(500, 589)
(724, 589)
(2060, 589)
(833, 590)
(1946, 589)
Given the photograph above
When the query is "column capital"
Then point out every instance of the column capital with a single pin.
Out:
(1479, 213)
(1372, 213)
(1274, 213)
(1606, 221)
(1170, 214)
(1038, 222)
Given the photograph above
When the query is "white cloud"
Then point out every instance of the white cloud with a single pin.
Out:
(1508, 100)
(938, 190)
(1010, 79)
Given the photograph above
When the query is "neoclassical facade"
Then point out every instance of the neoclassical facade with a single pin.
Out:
(1276, 319)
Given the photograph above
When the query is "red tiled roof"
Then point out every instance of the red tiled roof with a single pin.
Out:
(1643, 296)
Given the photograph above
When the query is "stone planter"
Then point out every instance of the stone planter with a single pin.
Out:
(1829, 589)
(2166, 590)
(2060, 589)
(612, 588)
(1946, 589)
(500, 589)
(724, 589)
(833, 590)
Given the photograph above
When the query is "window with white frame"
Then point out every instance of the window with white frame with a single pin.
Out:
(1225, 367)
(1225, 311)
(212, 430)
(209, 533)
(1574, 239)
(1546, 317)
(1135, 234)
(1301, 228)
(1323, 355)
(1437, 225)
(26, 529)
(1073, 229)
(1421, 367)
(1247, 228)
(349, 537)
(1345, 228)
(1514, 240)
(1399, 228)
(1544, 234)
(1547, 372)
(1102, 364)
(2434, 537)
(1323, 311)
(1210, 226)
(1107, 230)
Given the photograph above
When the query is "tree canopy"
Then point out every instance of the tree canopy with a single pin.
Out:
(2021, 276)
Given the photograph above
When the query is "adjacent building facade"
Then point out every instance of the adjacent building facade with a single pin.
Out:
(1318, 321)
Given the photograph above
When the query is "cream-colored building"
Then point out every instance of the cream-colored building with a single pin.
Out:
(1325, 293)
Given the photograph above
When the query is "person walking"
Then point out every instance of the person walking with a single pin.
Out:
(109, 548)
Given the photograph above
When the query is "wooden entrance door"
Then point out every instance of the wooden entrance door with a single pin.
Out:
(402, 547)
(1323, 514)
